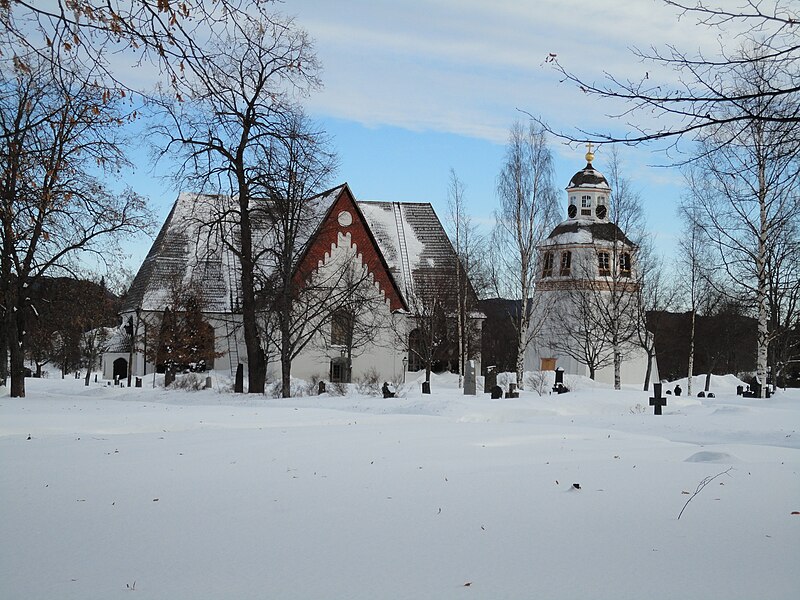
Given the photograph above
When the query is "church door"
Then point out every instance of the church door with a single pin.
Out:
(121, 368)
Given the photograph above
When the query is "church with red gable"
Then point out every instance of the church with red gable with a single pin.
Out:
(395, 259)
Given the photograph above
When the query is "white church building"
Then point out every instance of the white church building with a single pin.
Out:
(399, 249)
(584, 304)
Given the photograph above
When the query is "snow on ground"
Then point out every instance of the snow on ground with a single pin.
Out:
(147, 493)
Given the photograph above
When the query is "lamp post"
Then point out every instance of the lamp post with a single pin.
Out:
(405, 362)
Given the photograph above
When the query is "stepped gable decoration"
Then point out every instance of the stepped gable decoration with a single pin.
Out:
(345, 217)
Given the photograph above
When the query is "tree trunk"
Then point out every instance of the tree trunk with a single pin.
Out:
(617, 368)
(591, 372)
(690, 371)
(648, 372)
(17, 351)
(708, 380)
(256, 368)
(762, 290)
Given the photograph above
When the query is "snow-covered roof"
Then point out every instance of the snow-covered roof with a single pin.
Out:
(585, 231)
(188, 249)
(413, 243)
(588, 177)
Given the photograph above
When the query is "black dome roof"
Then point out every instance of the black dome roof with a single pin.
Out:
(588, 177)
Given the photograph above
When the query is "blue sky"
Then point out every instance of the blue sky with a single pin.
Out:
(415, 88)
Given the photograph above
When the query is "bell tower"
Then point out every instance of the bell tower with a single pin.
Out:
(588, 193)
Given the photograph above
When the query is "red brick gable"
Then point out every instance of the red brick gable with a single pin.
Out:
(327, 236)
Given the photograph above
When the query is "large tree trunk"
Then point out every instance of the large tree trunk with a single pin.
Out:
(16, 334)
(256, 368)
(690, 371)
(617, 368)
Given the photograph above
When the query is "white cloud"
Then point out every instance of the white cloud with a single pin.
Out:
(466, 66)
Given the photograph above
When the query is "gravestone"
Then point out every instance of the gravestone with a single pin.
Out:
(512, 391)
(739, 390)
(559, 387)
(490, 381)
(677, 390)
(208, 383)
(387, 393)
(238, 384)
(657, 401)
(469, 379)
(426, 387)
(701, 394)
(497, 392)
(169, 377)
(138, 382)
(321, 387)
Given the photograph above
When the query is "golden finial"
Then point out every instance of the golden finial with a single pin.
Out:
(589, 153)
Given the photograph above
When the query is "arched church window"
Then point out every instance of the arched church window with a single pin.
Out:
(603, 264)
(341, 327)
(415, 350)
(566, 263)
(625, 264)
(547, 269)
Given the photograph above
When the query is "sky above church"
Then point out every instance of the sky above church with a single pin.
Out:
(415, 88)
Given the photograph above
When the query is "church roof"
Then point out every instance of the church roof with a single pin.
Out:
(586, 232)
(588, 177)
(409, 236)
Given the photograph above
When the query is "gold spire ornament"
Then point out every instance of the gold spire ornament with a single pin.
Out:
(589, 153)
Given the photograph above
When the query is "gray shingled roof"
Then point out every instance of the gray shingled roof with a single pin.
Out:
(409, 235)
(588, 177)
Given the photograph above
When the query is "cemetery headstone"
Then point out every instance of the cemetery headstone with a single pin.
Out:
(497, 392)
(238, 384)
(469, 379)
(512, 391)
(169, 378)
(657, 401)
(678, 390)
(139, 382)
(387, 393)
(209, 383)
(701, 394)
(426, 387)
(321, 387)
(490, 381)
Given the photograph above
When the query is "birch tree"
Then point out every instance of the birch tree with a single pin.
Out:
(525, 217)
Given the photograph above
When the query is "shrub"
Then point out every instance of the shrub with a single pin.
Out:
(369, 384)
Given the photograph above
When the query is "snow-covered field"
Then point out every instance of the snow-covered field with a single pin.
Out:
(141, 493)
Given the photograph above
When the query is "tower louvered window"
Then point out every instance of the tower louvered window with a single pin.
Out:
(566, 263)
(603, 264)
(547, 268)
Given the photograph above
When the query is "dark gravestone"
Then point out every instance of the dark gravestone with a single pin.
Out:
(559, 387)
(739, 390)
(657, 401)
(711, 395)
(426, 387)
(169, 377)
(497, 392)
(701, 394)
(321, 387)
(138, 382)
(512, 391)
(209, 383)
(490, 381)
(469, 379)
(387, 393)
(238, 384)
(678, 390)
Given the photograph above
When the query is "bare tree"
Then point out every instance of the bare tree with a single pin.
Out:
(654, 296)
(57, 129)
(467, 244)
(705, 94)
(745, 198)
(526, 215)
(240, 133)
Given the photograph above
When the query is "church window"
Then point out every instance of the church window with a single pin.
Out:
(586, 206)
(341, 327)
(547, 270)
(566, 263)
(416, 350)
(625, 265)
(603, 264)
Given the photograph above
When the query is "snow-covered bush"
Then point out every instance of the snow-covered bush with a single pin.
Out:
(369, 384)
